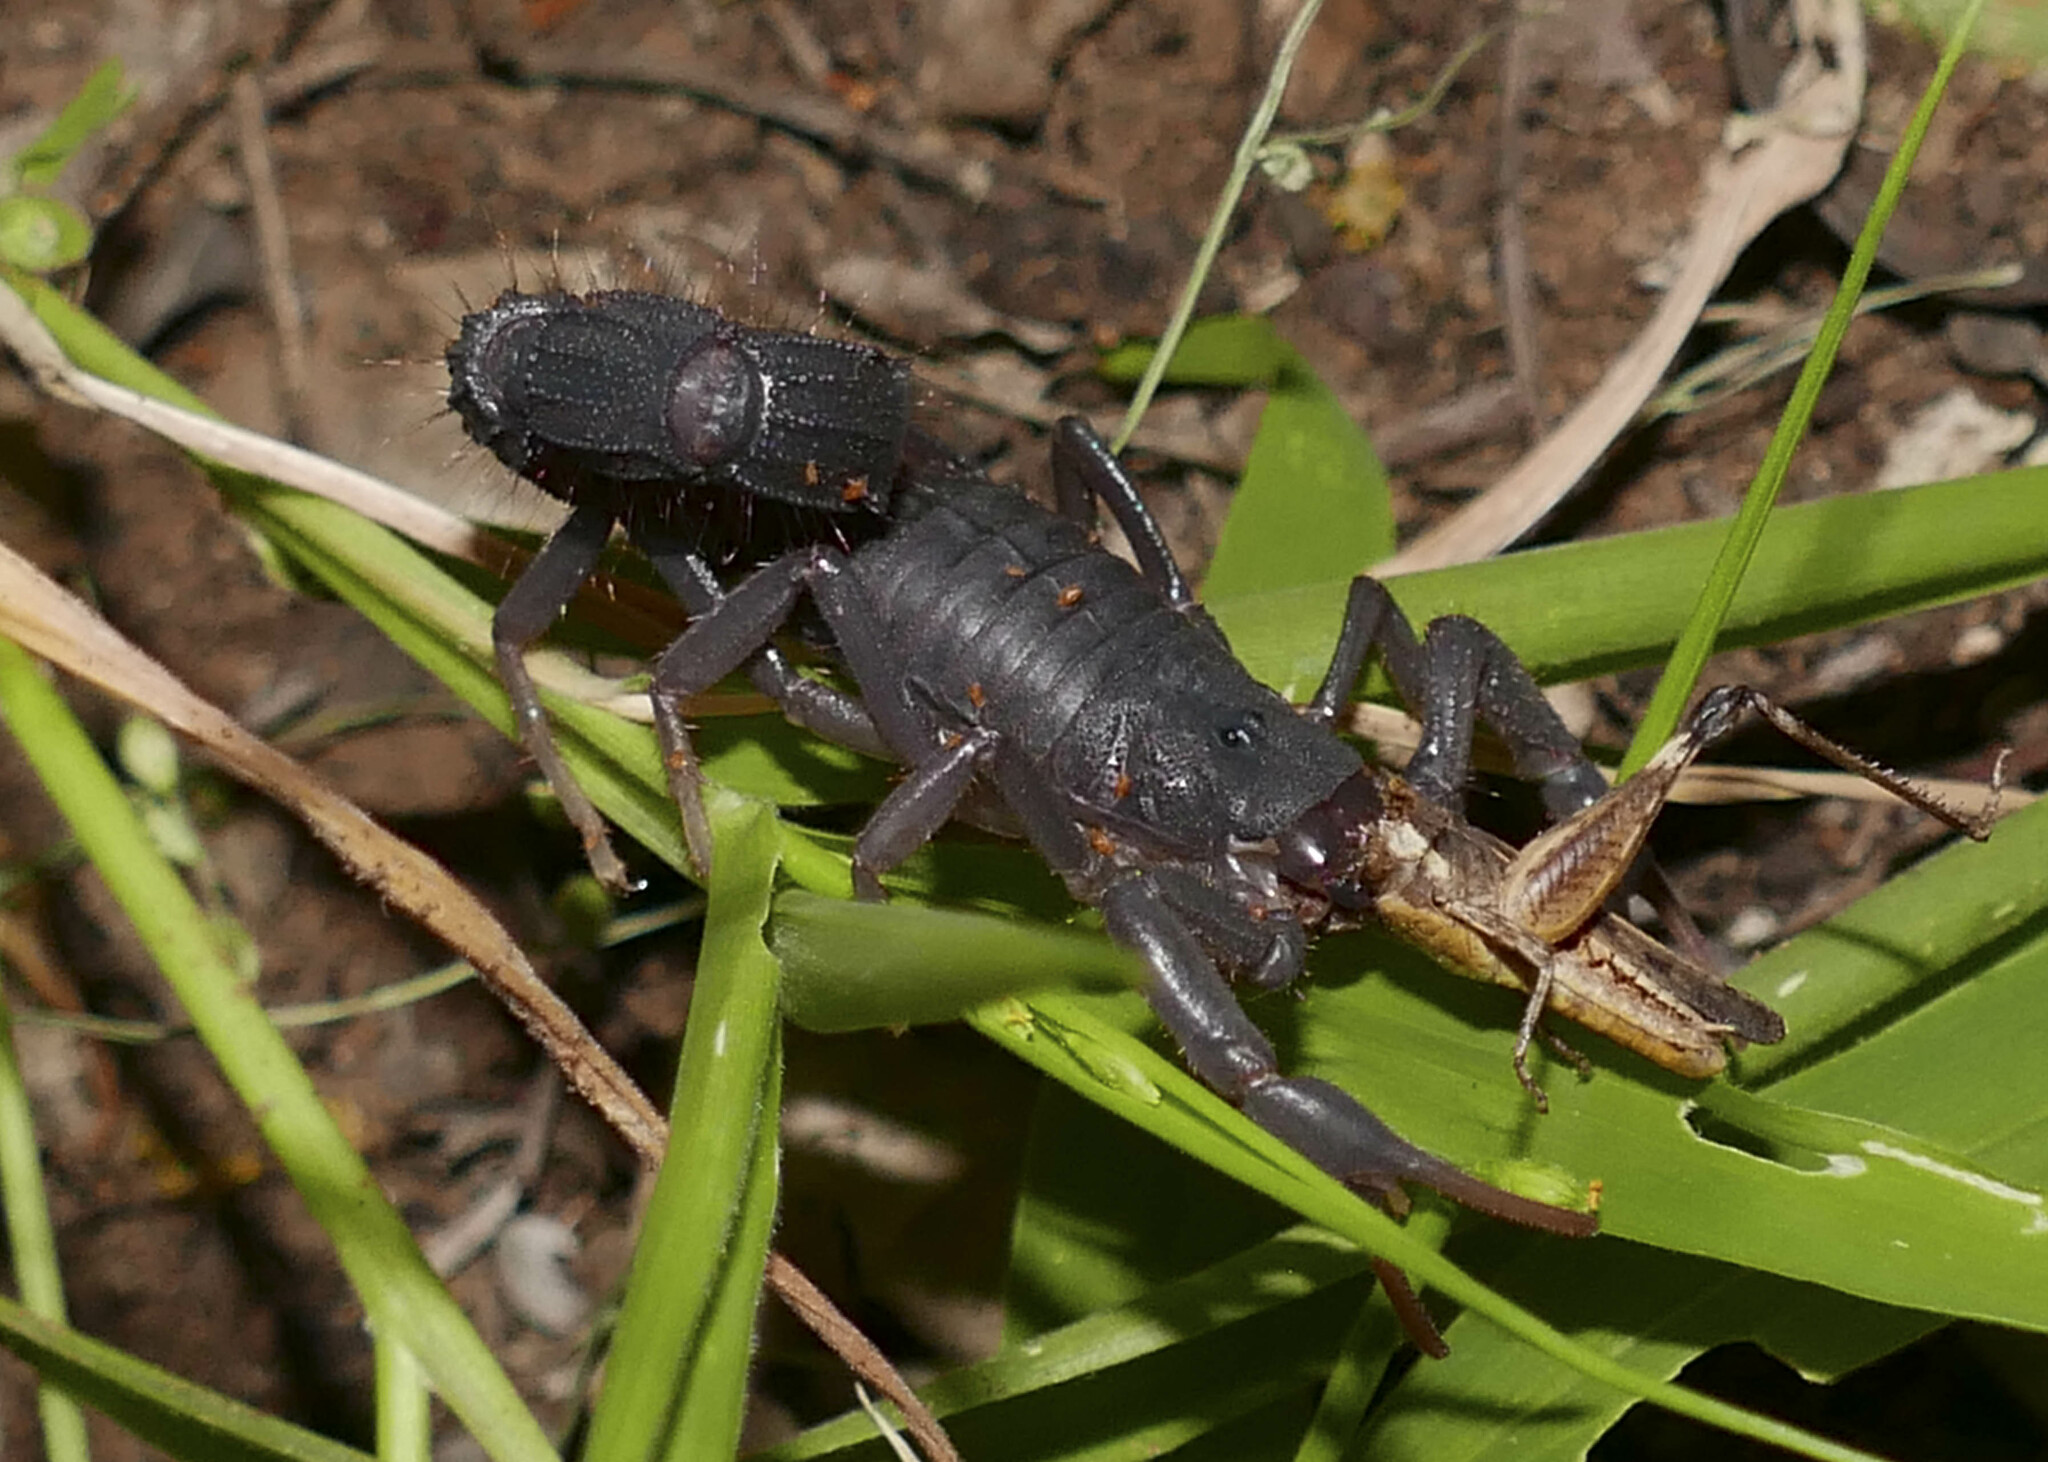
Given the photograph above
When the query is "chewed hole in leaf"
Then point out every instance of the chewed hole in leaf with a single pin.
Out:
(1714, 1127)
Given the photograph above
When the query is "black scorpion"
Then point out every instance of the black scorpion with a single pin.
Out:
(994, 641)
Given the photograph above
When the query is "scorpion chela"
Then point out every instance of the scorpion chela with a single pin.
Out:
(994, 642)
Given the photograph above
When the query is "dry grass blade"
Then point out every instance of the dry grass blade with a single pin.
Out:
(46, 619)
(1796, 158)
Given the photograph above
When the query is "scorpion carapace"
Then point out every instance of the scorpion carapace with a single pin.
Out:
(993, 641)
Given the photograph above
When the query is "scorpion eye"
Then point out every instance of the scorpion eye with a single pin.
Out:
(1242, 733)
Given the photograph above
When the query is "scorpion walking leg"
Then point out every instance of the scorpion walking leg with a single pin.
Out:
(1461, 673)
(738, 627)
(912, 814)
(940, 773)
(1084, 469)
(821, 709)
(527, 612)
(716, 644)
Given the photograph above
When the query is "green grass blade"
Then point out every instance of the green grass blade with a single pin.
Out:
(723, 1091)
(405, 1405)
(1102, 1218)
(1913, 548)
(1361, 1366)
(1277, 1275)
(401, 1294)
(1674, 689)
(163, 1410)
(1242, 162)
(714, 1392)
(31, 1241)
(856, 966)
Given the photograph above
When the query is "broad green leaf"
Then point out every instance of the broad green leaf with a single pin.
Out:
(1894, 1229)
(1182, 1113)
(1312, 505)
(1430, 1055)
(1930, 925)
(1963, 1071)
(1496, 1396)
(1240, 351)
(2013, 30)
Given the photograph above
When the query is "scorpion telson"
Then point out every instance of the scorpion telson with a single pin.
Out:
(707, 442)
(1216, 828)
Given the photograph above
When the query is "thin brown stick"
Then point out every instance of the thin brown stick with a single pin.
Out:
(829, 1324)
(50, 622)
(1773, 165)
(273, 244)
(927, 155)
(1517, 291)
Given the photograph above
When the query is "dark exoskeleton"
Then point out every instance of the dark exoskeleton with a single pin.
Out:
(709, 442)
(993, 641)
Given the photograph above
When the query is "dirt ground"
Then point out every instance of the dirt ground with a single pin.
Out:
(1000, 189)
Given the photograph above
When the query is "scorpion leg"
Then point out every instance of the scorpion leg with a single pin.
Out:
(527, 612)
(822, 709)
(1084, 469)
(738, 627)
(912, 814)
(716, 644)
(940, 770)
(1461, 673)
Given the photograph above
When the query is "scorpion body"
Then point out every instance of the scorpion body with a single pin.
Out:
(994, 641)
